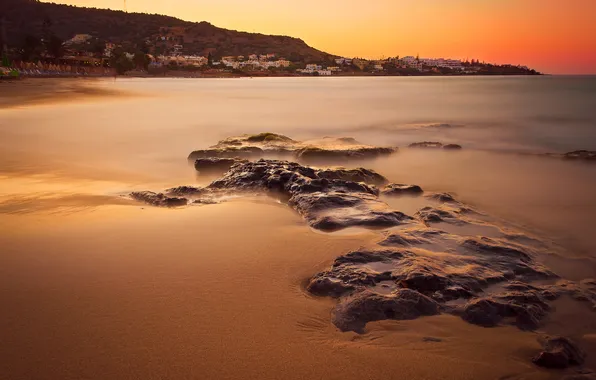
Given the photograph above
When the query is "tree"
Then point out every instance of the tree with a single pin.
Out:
(120, 62)
(98, 48)
(31, 48)
(209, 60)
(55, 47)
(141, 60)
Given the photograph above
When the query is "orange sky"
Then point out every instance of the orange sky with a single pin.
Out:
(554, 36)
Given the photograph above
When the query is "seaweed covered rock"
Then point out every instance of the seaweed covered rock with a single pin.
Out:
(559, 352)
(354, 312)
(400, 189)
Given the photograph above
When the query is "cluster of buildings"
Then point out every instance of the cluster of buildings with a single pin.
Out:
(419, 63)
(254, 61)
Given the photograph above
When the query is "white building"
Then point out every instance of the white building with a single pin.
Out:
(78, 39)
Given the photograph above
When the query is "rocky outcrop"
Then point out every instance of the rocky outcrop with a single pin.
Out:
(215, 165)
(356, 311)
(325, 200)
(587, 155)
(158, 199)
(272, 145)
(452, 147)
(559, 352)
(395, 189)
(434, 145)
(355, 175)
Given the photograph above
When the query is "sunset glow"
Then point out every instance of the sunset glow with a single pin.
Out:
(552, 36)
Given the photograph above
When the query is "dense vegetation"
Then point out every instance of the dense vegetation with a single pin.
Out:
(25, 18)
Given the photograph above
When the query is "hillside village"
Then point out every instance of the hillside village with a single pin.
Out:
(56, 43)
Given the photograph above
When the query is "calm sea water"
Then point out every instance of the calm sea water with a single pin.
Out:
(110, 145)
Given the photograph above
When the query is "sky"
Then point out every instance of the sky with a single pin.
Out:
(552, 36)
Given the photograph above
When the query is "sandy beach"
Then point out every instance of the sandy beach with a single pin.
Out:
(95, 285)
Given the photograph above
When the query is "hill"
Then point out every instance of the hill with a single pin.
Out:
(26, 17)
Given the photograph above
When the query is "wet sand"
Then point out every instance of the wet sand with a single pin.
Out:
(132, 292)
(35, 91)
(93, 285)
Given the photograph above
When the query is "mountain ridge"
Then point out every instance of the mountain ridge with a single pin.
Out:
(25, 17)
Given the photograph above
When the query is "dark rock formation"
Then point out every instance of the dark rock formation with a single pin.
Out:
(316, 153)
(211, 165)
(269, 137)
(442, 197)
(279, 146)
(353, 313)
(588, 155)
(355, 175)
(185, 191)
(559, 352)
(452, 147)
(400, 189)
(426, 144)
(327, 204)
(523, 309)
(437, 214)
(247, 152)
(158, 199)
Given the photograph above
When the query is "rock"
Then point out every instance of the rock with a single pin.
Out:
(588, 155)
(452, 147)
(247, 152)
(354, 312)
(327, 202)
(442, 197)
(355, 175)
(525, 310)
(158, 199)
(216, 164)
(559, 352)
(268, 137)
(426, 144)
(317, 153)
(185, 191)
(400, 189)
(436, 215)
(275, 145)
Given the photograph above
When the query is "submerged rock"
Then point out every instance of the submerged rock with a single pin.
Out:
(426, 144)
(216, 164)
(353, 313)
(317, 153)
(158, 199)
(452, 147)
(588, 155)
(400, 189)
(559, 352)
